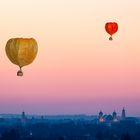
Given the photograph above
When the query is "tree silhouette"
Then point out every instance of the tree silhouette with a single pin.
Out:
(126, 137)
(11, 135)
(99, 136)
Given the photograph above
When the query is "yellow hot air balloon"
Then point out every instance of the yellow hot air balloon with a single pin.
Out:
(21, 51)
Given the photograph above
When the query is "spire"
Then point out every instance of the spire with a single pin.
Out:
(123, 114)
(23, 114)
(23, 118)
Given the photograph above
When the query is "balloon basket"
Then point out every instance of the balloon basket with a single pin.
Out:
(111, 38)
(20, 73)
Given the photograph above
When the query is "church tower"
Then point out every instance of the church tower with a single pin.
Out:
(23, 118)
(114, 115)
(23, 115)
(100, 117)
(123, 114)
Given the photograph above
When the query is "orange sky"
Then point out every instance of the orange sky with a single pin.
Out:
(77, 69)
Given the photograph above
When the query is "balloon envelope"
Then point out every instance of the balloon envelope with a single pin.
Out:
(21, 51)
(111, 28)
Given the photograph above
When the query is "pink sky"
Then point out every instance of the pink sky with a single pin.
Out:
(77, 69)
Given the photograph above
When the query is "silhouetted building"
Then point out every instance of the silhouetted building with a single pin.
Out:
(115, 118)
(111, 118)
(123, 117)
(101, 119)
(23, 118)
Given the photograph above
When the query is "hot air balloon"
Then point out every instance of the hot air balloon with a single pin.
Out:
(111, 28)
(21, 51)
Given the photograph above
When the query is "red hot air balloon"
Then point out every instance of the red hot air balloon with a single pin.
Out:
(111, 28)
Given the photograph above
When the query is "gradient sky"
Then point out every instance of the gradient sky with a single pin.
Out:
(77, 69)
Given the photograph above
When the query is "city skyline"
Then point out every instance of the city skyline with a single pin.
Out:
(77, 69)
